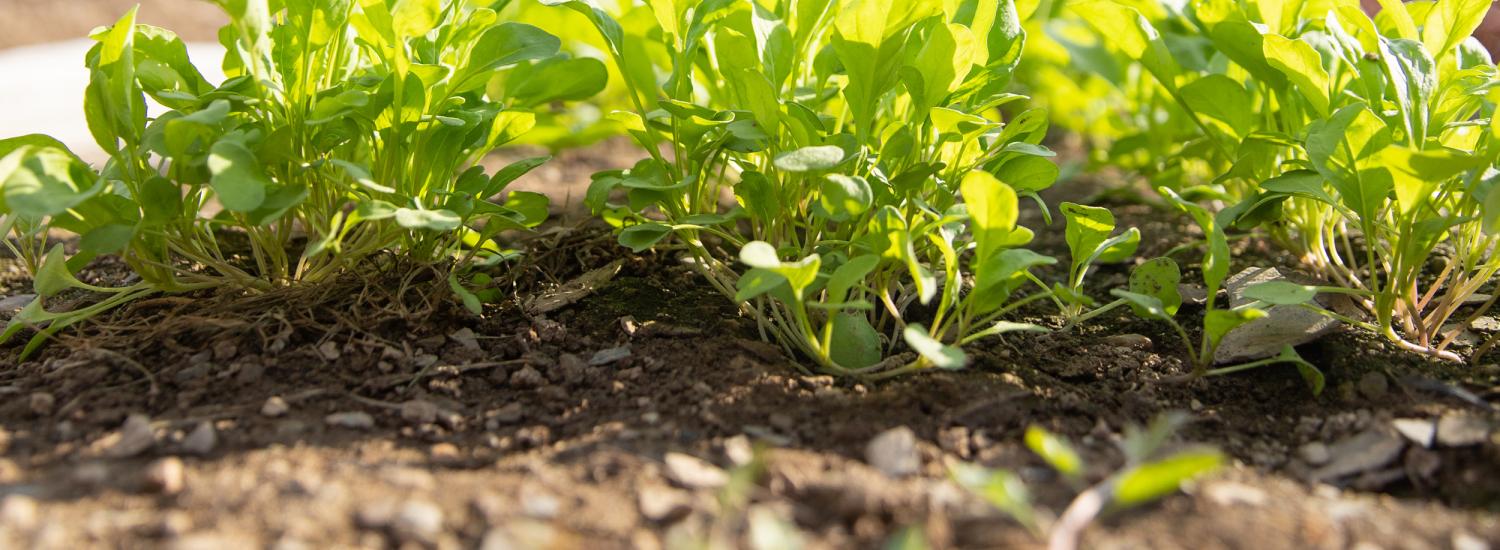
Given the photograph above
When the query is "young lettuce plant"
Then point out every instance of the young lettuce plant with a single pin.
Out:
(344, 130)
(876, 189)
(1090, 239)
(1362, 145)
(1147, 475)
(1153, 295)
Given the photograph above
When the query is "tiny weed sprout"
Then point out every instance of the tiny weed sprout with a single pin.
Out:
(1148, 474)
(344, 130)
(1364, 146)
(875, 190)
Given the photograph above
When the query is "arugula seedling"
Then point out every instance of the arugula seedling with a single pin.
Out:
(870, 172)
(1362, 146)
(344, 130)
(1090, 239)
(1145, 477)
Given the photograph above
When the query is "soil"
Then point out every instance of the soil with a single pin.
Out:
(376, 412)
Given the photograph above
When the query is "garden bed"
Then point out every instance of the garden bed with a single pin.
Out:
(405, 418)
(611, 399)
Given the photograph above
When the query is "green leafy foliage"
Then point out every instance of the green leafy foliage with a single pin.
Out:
(356, 127)
(1147, 475)
(877, 184)
(1319, 125)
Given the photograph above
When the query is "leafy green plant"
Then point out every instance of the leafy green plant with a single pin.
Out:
(1153, 295)
(876, 189)
(345, 129)
(1090, 239)
(1147, 475)
(1361, 145)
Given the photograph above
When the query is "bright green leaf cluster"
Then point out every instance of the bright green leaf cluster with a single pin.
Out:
(345, 129)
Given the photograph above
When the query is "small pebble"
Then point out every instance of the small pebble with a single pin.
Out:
(418, 411)
(42, 403)
(275, 407)
(694, 473)
(165, 476)
(351, 420)
(894, 452)
(418, 521)
(134, 438)
(1136, 341)
(202, 439)
(1315, 453)
(663, 504)
(1467, 541)
(19, 512)
(1373, 385)
(1457, 430)
(527, 378)
(1419, 430)
(611, 355)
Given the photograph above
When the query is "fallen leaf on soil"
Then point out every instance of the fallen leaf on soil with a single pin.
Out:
(1458, 430)
(1266, 337)
(574, 290)
(1364, 452)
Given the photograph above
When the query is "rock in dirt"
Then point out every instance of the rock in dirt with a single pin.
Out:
(133, 438)
(275, 406)
(202, 439)
(1281, 327)
(1229, 493)
(1373, 385)
(1467, 541)
(465, 337)
(19, 512)
(418, 411)
(42, 403)
(694, 473)
(1486, 324)
(527, 378)
(1421, 431)
(12, 304)
(329, 351)
(611, 355)
(1459, 430)
(417, 521)
(663, 504)
(1363, 452)
(894, 452)
(1315, 453)
(166, 476)
(1135, 341)
(351, 420)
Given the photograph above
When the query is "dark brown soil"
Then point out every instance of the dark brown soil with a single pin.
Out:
(522, 437)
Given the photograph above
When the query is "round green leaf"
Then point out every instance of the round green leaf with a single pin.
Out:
(810, 159)
(1281, 293)
(237, 177)
(436, 220)
(643, 236)
(845, 197)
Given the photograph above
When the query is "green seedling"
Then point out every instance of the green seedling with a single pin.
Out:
(1090, 240)
(876, 185)
(344, 130)
(1147, 476)
(1153, 295)
(1364, 146)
